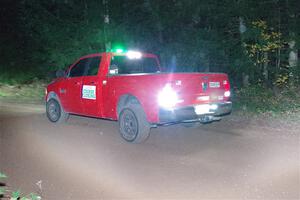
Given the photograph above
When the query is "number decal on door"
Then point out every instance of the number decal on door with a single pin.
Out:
(89, 92)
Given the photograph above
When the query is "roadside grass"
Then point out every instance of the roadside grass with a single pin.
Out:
(257, 100)
(15, 78)
(28, 92)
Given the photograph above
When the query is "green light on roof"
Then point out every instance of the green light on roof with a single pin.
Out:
(119, 50)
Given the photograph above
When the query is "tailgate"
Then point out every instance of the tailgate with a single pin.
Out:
(198, 88)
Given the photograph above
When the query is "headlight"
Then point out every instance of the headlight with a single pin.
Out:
(167, 97)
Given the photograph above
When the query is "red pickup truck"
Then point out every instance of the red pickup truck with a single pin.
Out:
(131, 88)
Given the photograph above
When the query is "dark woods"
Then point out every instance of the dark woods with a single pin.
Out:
(255, 42)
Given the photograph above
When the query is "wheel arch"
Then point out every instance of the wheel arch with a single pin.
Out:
(124, 100)
(52, 95)
(63, 114)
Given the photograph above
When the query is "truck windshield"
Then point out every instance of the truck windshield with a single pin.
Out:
(124, 65)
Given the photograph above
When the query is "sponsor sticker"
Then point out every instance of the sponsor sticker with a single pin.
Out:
(89, 92)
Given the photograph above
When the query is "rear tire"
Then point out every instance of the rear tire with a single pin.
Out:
(133, 124)
(55, 112)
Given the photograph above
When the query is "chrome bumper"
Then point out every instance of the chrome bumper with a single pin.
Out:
(188, 114)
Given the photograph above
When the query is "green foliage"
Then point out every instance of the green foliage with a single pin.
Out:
(258, 99)
(2, 175)
(265, 41)
(2, 191)
(16, 195)
(188, 35)
(282, 80)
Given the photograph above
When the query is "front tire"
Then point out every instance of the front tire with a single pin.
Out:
(55, 112)
(133, 124)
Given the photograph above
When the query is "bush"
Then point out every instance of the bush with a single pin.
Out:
(258, 99)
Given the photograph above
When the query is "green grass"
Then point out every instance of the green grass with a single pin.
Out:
(13, 78)
(33, 92)
(260, 100)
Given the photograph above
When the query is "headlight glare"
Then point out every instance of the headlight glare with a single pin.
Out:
(167, 97)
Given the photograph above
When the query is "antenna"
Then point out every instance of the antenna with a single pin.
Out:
(106, 26)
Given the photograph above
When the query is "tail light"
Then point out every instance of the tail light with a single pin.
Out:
(226, 85)
(227, 88)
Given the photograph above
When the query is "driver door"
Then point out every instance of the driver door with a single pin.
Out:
(72, 88)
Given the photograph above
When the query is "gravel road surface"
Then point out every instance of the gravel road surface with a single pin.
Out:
(86, 158)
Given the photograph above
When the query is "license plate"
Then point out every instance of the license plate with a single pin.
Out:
(214, 84)
(202, 109)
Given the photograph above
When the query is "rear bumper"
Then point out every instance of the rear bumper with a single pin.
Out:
(186, 114)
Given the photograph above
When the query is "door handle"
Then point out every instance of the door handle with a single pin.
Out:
(77, 83)
(62, 90)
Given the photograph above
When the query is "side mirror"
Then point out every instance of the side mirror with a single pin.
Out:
(60, 73)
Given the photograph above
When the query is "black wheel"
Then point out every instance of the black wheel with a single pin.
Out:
(133, 124)
(55, 112)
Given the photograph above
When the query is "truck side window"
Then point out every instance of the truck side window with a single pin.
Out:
(133, 66)
(79, 68)
(93, 66)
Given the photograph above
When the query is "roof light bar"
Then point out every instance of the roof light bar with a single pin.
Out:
(134, 54)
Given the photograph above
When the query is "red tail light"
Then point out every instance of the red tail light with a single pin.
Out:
(227, 88)
(226, 85)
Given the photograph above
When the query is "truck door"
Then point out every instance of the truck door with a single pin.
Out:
(71, 89)
(92, 88)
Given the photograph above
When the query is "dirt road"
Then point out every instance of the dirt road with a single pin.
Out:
(87, 159)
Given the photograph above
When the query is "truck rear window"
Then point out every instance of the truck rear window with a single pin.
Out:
(124, 65)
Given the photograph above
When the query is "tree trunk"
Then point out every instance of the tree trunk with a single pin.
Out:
(245, 79)
(86, 12)
(293, 55)
(265, 68)
(242, 30)
(106, 26)
(157, 22)
(293, 59)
